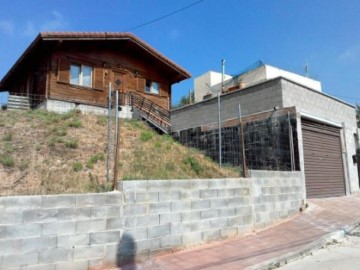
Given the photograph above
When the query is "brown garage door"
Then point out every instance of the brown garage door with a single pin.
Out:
(324, 170)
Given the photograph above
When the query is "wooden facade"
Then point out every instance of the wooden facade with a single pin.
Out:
(121, 59)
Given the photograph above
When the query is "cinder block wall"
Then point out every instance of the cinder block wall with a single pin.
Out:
(254, 99)
(147, 217)
(58, 231)
(320, 105)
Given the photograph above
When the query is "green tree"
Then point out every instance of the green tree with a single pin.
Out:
(186, 100)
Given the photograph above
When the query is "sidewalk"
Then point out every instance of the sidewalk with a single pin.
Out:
(324, 219)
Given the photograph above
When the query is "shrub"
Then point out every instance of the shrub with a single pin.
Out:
(75, 123)
(146, 135)
(8, 137)
(61, 131)
(194, 164)
(72, 144)
(94, 159)
(77, 166)
(101, 120)
(70, 114)
(7, 161)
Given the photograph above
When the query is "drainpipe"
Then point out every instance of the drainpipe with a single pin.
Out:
(345, 161)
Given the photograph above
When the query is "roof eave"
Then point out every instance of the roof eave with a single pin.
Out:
(21, 58)
(48, 36)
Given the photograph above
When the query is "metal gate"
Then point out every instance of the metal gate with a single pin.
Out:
(323, 162)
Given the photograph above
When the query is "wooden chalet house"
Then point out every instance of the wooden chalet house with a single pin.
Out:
(65, 70)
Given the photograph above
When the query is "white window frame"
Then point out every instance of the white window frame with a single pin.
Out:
(81, 75)
(151, 89)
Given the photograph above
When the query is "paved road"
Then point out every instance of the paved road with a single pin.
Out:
(344, 256)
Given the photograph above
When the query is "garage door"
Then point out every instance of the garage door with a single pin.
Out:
(324, 170)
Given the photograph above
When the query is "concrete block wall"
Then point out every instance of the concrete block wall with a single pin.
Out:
(59, 231)
(145, 218)
(163, 215)
(254, 99)
(276, 195)
(326, 108)
(167, 214)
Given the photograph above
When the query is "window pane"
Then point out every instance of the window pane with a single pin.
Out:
(148, 87)
(75, 74)
(155, 88)
(86, 73)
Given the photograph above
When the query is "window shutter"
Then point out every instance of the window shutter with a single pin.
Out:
(63, 70)
(98, 78)
(141, 84)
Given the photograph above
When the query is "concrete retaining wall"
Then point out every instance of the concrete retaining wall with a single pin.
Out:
(82, 231)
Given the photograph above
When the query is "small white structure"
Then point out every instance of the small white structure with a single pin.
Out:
(204, 85)
(208, 84)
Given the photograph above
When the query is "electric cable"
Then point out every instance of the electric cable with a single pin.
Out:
(164, 16)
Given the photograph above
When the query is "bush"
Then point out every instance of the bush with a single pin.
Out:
(194, 164)
(72, 144)
(8, 137)
(75, 123)
(146, 136)
(101, 120)
(61, 131)
(70, 114)
(94, 159)
(7, 161)
(77, 166)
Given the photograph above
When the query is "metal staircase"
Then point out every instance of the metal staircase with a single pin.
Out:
(151, 112)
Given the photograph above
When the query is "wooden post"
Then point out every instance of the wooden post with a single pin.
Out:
(242, 143)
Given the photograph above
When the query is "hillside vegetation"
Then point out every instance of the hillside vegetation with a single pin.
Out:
(47, 153)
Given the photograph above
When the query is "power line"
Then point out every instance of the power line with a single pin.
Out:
(164, 16)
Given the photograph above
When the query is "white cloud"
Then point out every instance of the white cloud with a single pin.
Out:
(7, 27)
(56, 22)
(30, 30)
(352, 53)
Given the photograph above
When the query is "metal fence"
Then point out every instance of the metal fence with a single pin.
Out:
(264, 144)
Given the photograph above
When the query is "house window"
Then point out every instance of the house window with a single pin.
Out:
(81, 75)
(152, 87)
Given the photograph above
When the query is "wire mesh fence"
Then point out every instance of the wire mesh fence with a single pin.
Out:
(263, 144)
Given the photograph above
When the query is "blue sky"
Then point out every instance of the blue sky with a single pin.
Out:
(288, 34)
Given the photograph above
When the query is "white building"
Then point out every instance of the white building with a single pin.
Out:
(208, 84)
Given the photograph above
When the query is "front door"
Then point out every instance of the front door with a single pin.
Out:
(118, 84)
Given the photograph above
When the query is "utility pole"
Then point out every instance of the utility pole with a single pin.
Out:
(117, 135)
(109, 137)
(219, 110)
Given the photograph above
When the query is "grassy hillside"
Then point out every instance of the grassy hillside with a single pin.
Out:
(47, 153)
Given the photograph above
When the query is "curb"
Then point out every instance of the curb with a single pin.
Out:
(306, 250)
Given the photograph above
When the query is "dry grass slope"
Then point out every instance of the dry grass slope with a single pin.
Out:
(50, 153)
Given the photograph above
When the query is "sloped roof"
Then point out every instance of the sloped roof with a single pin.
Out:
(97, 36)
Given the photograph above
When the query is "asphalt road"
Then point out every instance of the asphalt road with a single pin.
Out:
(344, 256)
